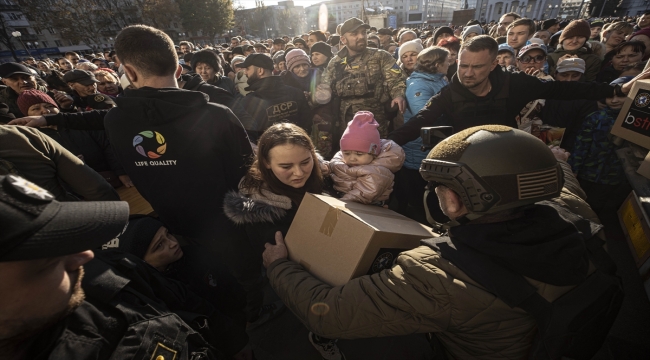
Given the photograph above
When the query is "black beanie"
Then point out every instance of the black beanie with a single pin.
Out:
(323, 48)
(138, 234)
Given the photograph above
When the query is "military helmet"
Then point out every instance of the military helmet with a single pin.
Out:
(494, 168)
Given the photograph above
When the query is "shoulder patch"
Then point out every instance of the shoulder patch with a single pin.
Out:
(395, 68)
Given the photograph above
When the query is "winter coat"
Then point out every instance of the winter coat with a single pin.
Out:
(370, 183)
(261, 213)
(271, 102)
(592, 62)
(10, 97)
(420, 87)
(422, 292)
(225, 83)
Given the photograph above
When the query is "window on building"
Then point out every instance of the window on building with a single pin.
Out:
(13, 16)
(38, 31)
(175, 25)
(45, 44)
(51, 30)
(415, 17)
(58, 43)
(498, 9)
(413, 7)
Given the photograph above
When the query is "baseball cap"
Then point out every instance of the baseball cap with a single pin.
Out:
(571, 64)
(530, 47)
(385, 31)
(82, 77)
(259, 60)
(99, 101)
(506, 47)
(36, 226)
(353, 24)
(12, 68)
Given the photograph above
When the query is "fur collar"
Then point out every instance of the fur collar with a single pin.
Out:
(247, 206)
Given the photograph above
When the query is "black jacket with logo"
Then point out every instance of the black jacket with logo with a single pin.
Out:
(271, 102)
(181, 152)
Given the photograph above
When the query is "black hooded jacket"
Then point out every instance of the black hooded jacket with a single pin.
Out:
(181, 152)
(456, 106)
(271, 102)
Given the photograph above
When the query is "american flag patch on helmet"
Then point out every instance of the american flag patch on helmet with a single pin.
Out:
(536, 184)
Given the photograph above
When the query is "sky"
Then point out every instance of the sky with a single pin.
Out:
(251, 3)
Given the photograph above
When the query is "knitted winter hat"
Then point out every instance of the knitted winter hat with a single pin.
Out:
(138, 234)
(472, 29)
(296, 57)
(362, 134)
(413, 45)
(278, 57)
(576, 28)
(31, 97)
(322, 48)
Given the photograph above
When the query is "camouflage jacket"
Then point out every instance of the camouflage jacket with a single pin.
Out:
(372, 77)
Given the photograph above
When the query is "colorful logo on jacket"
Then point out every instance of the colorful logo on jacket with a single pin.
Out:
(146, 141)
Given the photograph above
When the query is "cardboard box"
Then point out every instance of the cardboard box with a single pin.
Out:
(337, 241)
(633, 122)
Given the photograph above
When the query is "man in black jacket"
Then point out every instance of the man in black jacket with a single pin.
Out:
(482, 93)
(270, 101)
(181, 152)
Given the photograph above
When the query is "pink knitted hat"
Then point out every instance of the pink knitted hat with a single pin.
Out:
(362, 134)
(296, 57)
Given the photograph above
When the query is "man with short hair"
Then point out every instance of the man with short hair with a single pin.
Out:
(73, 57)
(519, 32)
(185, 47)
(270, 101)
(153, 131)
(504, 22)
(314, 37)
(478, 94)
(383, 82)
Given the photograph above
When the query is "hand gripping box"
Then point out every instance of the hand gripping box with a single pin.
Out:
(337, 240)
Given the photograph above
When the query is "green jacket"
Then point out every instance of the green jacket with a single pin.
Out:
(370, 78)
(592, 62)
(421, 293)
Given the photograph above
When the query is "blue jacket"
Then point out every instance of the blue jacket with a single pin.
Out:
(420, 87)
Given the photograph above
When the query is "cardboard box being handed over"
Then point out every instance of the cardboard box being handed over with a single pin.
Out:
(337, 240)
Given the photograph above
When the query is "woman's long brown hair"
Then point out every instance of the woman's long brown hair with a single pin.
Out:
(260, 176)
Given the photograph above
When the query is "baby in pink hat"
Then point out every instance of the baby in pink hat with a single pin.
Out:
(363, 169)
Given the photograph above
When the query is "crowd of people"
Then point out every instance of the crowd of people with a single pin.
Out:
(224, 140)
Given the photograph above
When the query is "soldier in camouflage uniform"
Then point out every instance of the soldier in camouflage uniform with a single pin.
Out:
(363, 79)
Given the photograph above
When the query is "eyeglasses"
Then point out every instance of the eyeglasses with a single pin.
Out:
(527, 59)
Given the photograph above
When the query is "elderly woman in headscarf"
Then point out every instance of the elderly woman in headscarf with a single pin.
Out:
(300, 74)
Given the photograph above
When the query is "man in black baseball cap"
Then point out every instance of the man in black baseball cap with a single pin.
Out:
(83, 84)
(270, 100)
(43, 247)
(352, 24)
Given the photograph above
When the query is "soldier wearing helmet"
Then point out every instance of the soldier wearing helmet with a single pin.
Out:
(509, 198)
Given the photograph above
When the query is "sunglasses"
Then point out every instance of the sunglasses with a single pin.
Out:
(527, 59)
